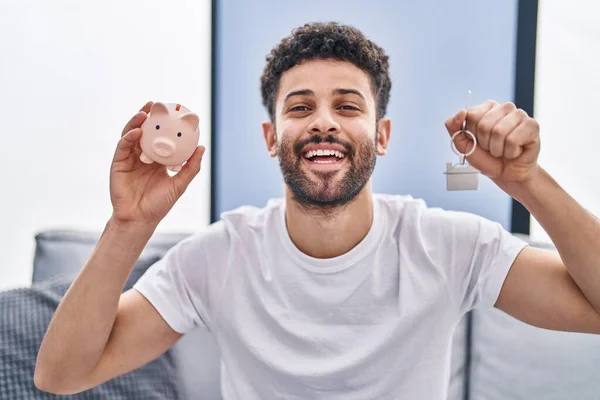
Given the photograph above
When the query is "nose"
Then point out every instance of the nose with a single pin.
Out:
(163, 147)
(323, 122)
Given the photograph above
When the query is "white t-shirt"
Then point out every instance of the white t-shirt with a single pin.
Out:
(374, 323)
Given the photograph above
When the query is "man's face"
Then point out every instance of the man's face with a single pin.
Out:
(326, 131)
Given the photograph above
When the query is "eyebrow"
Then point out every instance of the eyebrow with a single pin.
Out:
(349, 91)
(308, 92)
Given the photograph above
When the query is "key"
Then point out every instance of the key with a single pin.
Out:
(460, 176)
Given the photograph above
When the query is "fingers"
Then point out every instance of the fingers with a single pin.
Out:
(454, 123)
(480, 159)
(524, 136)
(463, 142)
(512, 149)
(501, 130)
(189, 171)
(137, 120)
(503, 133)
(127, 144)
(476, 113)
(484, 124)
(146, 107)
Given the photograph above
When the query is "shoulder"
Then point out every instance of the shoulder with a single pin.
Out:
(236, 231)
(237, 226)
(249, 216)
(249, 223)
(415, 218)
(406, 206)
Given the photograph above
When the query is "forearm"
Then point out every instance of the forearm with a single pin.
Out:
(574, 231)
(81, 325)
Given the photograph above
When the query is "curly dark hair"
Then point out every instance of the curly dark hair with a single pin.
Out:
(327, 40)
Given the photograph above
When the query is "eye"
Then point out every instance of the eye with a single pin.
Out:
(157, 127)
(349, 108)
(299, 108)
(179, 134)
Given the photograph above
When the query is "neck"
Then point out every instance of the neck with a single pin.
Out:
(327, 233)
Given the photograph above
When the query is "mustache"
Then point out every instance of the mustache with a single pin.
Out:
(316, 139)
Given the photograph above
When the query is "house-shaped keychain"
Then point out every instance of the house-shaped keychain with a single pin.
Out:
(461, 177)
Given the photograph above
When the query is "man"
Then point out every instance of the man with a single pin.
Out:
(332, 292)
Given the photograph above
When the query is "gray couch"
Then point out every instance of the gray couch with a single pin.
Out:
(495, 356)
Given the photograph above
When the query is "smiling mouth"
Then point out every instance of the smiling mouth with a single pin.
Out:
(325, 156)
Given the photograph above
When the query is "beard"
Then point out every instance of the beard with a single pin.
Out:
(329, 190)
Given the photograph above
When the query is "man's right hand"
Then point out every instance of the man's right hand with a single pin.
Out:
(142, 192)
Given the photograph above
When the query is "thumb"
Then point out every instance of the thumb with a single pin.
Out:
(127, 144)
(480, 159)
(454, 123)
(189, 171)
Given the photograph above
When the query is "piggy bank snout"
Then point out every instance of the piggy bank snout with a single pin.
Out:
(163, 147)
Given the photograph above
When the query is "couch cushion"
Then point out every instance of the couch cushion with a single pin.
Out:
(63, 254)
(514, 360)
(24, 317)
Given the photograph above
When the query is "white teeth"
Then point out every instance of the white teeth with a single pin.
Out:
(324, 152)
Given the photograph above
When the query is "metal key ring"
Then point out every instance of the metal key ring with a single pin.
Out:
(455, 150)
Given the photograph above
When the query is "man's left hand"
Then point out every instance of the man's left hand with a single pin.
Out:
(508, 142)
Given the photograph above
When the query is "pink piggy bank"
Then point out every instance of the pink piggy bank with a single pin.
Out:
(170, 135)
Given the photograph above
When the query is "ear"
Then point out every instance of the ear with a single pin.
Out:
(384, 131)
(270, 138)
(191, 119)
(159, 108)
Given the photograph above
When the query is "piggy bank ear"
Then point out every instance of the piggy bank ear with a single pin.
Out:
(191, 119)
(159, 108)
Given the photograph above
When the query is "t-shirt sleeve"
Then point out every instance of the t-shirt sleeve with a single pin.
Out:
(180, 285)
(476, 254)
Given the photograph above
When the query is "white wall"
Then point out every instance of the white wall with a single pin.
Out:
(71, 74)
(567, 101)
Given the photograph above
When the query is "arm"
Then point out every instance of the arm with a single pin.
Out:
(97, 333)
(556, 290)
